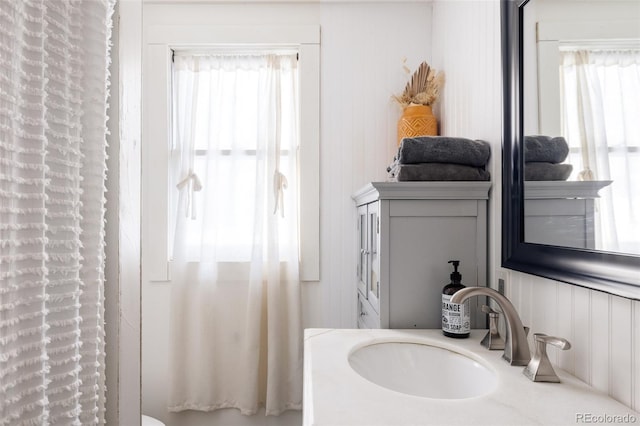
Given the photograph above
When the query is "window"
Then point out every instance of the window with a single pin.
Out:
(234, 152)
(587, 77)
(600, 109)
(161, 41)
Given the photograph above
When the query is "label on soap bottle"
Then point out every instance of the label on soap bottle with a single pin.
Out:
(455, 316)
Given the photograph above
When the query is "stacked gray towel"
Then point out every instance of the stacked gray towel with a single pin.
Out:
(440, 158)
(543, 155)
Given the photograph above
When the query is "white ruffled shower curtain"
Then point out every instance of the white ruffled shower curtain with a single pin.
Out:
(601, 108)
(54, 59)
(236, 337)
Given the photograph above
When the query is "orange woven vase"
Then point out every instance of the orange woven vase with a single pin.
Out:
(417, 120)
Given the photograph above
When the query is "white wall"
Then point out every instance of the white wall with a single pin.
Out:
(603, 329)
(362, 50)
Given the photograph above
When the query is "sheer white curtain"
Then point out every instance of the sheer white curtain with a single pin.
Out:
(54, 59)
(236, 337)
(601, 107)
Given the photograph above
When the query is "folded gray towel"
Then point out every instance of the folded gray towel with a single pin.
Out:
(546, 149)
(546, 171)
(443, 149)
(437, 172)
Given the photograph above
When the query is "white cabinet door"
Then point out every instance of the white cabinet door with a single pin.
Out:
(363, 264)
(368, 268)
(373, 235)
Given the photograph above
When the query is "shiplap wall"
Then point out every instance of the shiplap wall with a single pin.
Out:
(363, 45)
(604, 330)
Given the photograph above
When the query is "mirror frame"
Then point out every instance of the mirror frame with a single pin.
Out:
(604, 271)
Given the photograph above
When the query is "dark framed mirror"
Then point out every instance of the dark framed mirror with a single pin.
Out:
(584, 260)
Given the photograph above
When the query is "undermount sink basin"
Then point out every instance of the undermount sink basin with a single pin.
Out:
(422, 370)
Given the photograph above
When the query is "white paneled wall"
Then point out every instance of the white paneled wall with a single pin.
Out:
(363, 45)
(604, 330)
(466, 46)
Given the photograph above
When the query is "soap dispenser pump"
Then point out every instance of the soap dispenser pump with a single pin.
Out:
(456, 321)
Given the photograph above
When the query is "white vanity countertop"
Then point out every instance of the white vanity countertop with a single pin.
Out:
(335, 395)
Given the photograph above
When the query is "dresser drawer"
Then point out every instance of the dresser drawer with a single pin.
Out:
(367, 316)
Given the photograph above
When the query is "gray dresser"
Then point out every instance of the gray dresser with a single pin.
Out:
(561, 213)
(406, 234)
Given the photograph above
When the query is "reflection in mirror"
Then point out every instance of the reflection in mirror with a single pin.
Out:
(581, 112)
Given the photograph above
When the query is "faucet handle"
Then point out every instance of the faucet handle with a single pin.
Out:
(492, 340)
(539, 368)
(552, 340)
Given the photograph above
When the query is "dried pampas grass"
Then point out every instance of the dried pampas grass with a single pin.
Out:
(423, 88)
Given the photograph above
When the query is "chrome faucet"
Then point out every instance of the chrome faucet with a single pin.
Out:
(516, 347)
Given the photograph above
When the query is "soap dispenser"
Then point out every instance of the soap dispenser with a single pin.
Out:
(456, 321)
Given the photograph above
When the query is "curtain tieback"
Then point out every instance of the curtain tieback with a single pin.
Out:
(586, 175)
(195, 185)
(280, 183)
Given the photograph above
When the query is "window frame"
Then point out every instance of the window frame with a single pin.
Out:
(160, 42)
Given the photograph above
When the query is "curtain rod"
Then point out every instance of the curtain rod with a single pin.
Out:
(609, 44)
(235, 50)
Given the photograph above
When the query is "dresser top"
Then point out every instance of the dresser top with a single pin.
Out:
(564, 189)
(440, 190)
